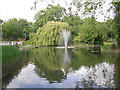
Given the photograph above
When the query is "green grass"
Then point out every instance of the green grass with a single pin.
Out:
(28, 42)
(108, 43)
(9, 53)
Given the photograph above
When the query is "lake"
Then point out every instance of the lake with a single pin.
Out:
(50, 67)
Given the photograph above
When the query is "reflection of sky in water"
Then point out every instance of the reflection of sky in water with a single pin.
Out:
(101, 75)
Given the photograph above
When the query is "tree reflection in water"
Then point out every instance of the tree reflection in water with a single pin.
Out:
(92, 70)
(101, 75)
(48, 64)
(50, 67)
(12, 69)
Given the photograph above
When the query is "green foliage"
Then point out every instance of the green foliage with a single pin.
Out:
(74, 24)
(87, 30)
(47, 57)
(105, 48)
(47, 61)
(117, 19)
(108, 43)
(83, 57)
(51, 13)
(91, 32)
(50, 60)
(28, 42)
(9, 53)
(48, 34)
(14, 29)
(26, 27)
(110, 28)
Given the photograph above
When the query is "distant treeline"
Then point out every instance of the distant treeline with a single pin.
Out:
(48, 23)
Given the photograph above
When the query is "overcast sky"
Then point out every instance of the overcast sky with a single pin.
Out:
(16, 9)
(19, 9)
(22, 9)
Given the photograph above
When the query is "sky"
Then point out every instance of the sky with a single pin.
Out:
(22, 9)
(19, 9)
(16, 9)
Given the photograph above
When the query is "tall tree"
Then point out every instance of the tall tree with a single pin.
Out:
(94, 8)
(74, 24)
(117, 19)
(26, 27)
(48, 34)
(14, 29)
(11, 30)
(51, 13)
(91, 32)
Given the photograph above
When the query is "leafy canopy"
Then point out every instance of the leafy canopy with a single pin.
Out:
(49, 33)
(14, 29)
(91, 32)
(51, 13)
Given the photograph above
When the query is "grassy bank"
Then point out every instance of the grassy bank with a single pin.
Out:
(9, 53)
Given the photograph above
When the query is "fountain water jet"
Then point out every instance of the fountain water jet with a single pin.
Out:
(65, 36)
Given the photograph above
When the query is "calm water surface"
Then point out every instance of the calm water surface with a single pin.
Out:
(48, 67)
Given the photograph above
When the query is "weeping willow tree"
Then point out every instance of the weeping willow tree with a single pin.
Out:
(48, 34)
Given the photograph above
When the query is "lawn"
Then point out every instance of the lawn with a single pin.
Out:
(9, 53)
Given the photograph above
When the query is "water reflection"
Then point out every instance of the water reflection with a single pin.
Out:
(64, 56)
(56, 64)
(95, 50)
(12, 69)
(101, 75)
(49, 63)
(67, 68)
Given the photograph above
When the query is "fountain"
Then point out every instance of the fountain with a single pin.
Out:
(65, 37)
